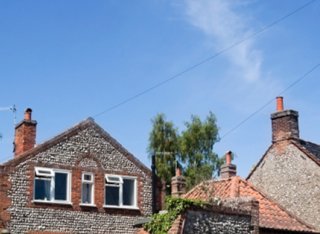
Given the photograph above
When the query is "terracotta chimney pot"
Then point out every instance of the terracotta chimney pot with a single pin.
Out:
(228, 170)
(178, 171)
(27, 114)
(279, 103)
(228, 157)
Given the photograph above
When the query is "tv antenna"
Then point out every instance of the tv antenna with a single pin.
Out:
(13, 109)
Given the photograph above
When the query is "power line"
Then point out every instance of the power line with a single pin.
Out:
(161, 83)
(305, 75)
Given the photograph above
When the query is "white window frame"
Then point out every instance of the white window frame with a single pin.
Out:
(84, 181)
(120, 185)
(46, 172)
(49, 173)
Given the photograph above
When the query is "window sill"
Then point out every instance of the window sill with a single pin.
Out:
(52, 202)
(87, 205)
(122, 207)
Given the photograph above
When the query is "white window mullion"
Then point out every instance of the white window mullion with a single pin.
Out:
(135, 193)
(121, 195)
(69, 188)
(52, 189)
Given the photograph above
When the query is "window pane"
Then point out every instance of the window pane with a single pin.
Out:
(112, 195)
(86, 193)
(128, 192)
(60, 192)
(87, 177)
(42, 189)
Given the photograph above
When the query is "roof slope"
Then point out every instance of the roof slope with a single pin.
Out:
(311, 149)
(88, 123)
(271, 215)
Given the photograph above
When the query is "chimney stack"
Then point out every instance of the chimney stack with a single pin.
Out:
(25, 134)
(178, 184)
(285, 125)
(228, 170)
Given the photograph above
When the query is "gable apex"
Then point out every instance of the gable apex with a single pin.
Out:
(311, 150)
(85, 124)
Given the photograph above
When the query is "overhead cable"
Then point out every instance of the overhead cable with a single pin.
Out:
(196, 65)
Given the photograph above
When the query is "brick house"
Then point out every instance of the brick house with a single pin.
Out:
(81, 181)
(289, 171)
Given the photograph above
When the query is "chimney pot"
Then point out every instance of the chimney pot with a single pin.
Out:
(279, 103)
(178, 171)
(228, 170)
(27, 114)
(228, 157)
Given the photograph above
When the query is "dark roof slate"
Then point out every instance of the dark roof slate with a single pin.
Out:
(311, 147)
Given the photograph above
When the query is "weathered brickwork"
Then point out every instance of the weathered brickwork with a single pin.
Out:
(209, 222)
(86, 151)
(5, 201)
(285, 125)
(292, 179)
(25, 134)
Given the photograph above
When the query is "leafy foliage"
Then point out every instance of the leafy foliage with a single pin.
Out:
(193, 148)
(163, 141)
(161, 223)
(196, 146)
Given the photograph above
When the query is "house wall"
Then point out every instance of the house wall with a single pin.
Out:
(233, 216)
(4, 200)
(87, 151)
(292, 179)
(210, 222)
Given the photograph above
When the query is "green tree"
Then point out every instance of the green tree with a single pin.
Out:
(193, 149)
(196, 149)
(163, 142)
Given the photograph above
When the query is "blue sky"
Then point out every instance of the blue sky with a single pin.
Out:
(69, 60)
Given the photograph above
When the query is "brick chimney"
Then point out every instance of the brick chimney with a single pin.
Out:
(178, 184)
(25, 134)
(228, 170)
(285, 125)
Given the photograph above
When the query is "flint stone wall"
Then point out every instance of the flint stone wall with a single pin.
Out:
(202, 222)
(27, 217)
(292, 179)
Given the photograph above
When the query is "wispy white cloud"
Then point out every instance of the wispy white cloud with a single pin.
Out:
(225, 26)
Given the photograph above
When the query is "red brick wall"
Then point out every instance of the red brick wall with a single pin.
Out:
(5, 201)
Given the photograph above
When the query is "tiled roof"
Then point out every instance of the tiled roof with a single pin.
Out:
(271, 215)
